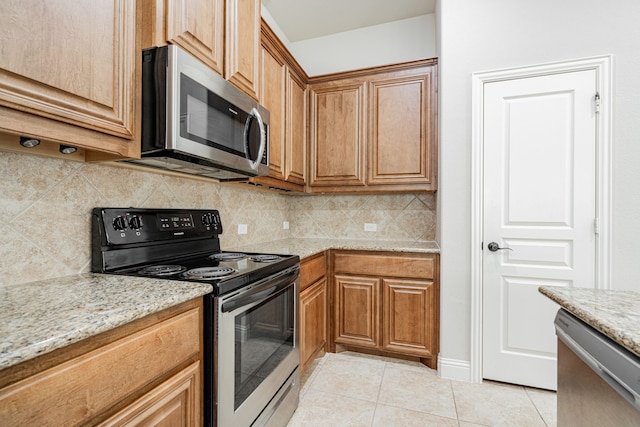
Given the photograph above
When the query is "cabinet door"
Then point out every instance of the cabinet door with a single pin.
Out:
(296, 152)
(408, 316)
(175, 402)
(337, 134)
(357, 310)
(313, 322)
(401, 130)
(198, 27)
(272, 96)
(243, 45)
(70, 62)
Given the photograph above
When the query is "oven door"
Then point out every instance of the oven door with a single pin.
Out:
(257, 351)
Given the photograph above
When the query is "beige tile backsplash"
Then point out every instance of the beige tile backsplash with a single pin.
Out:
(45, 207)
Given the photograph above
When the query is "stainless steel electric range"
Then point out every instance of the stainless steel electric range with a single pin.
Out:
(251, 354)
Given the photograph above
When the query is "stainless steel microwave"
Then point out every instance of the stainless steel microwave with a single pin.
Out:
(196, 122)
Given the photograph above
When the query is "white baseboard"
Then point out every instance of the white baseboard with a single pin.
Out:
(453, 369)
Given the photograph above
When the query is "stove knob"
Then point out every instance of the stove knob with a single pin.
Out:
(206, 219)
(119, 223)
(135, 223)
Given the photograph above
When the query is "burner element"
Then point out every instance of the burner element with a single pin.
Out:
(161, 270)
(228, 256)
(209, 273)
(265, 258)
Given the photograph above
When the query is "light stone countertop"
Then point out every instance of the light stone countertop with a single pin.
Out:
(308, 247)
(614, 313)
(39, 317)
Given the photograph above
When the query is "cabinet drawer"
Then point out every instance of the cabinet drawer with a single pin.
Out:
(311, 270)
(82, 388)
(418, 266)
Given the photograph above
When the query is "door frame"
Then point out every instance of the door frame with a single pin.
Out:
(603, 67)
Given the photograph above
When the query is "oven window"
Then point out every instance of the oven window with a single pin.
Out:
(263, 338)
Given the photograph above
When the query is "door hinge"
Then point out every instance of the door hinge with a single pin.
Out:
(596, 226)
(597, 101)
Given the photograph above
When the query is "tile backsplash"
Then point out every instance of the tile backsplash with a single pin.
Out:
(45, 207)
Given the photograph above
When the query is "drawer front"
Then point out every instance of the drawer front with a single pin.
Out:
(78, 390)
(418, 266)
(312, 270)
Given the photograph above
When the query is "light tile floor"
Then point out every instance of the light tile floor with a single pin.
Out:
(352, 389)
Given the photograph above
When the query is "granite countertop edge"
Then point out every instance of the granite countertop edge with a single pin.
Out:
(78, 307)
(614, 313)
(307, 247)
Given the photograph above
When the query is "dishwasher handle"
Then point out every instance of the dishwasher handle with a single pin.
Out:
(598, 368)
(567, 328)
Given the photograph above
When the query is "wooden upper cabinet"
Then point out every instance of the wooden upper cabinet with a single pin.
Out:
(374, 130)
(283, 91)
(296, 137)
(224, 34)
(337, 134)
(401, 130)
(272, 97)
(198, 27)
(243, 45)
(68, 72)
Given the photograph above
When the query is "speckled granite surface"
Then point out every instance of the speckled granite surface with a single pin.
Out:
(614, 313)
(38, 317)
(308, 247)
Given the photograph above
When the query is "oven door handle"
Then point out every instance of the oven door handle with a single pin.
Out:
(261, 291)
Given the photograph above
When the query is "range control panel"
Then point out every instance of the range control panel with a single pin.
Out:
(125, 226)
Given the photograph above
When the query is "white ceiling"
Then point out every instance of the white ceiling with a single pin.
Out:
(306, 19)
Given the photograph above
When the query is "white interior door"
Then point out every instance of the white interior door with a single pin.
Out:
(539, 201)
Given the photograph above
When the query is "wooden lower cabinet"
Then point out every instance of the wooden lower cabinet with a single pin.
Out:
(173, 403)
(387, 302)
(147, 372)
(313, 321)
(407, 315)
(314, 303)
(357, 310)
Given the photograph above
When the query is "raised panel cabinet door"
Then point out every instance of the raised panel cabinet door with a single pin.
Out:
(174, 403)
(242, 47)
(401, 130)
(357, 311)
(408, 316)
(198, 27)
(296, 152)
(313, 322)
(70, 61)
(337, 134)
(272, 97)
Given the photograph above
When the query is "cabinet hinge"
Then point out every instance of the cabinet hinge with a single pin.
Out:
(596, 226)
(597, 101)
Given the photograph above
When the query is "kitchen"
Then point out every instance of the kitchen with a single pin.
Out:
(59, 198)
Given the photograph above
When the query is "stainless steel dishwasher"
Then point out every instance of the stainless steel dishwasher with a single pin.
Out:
(598, 379)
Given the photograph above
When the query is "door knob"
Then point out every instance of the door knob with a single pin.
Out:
(493, 247)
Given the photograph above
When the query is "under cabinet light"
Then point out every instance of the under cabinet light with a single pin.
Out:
(67, 149)
(29, 142)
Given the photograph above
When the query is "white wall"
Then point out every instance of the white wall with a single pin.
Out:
(493, 34)
(391, 43)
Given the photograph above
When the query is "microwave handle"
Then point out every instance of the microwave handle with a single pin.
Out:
(263, 138)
